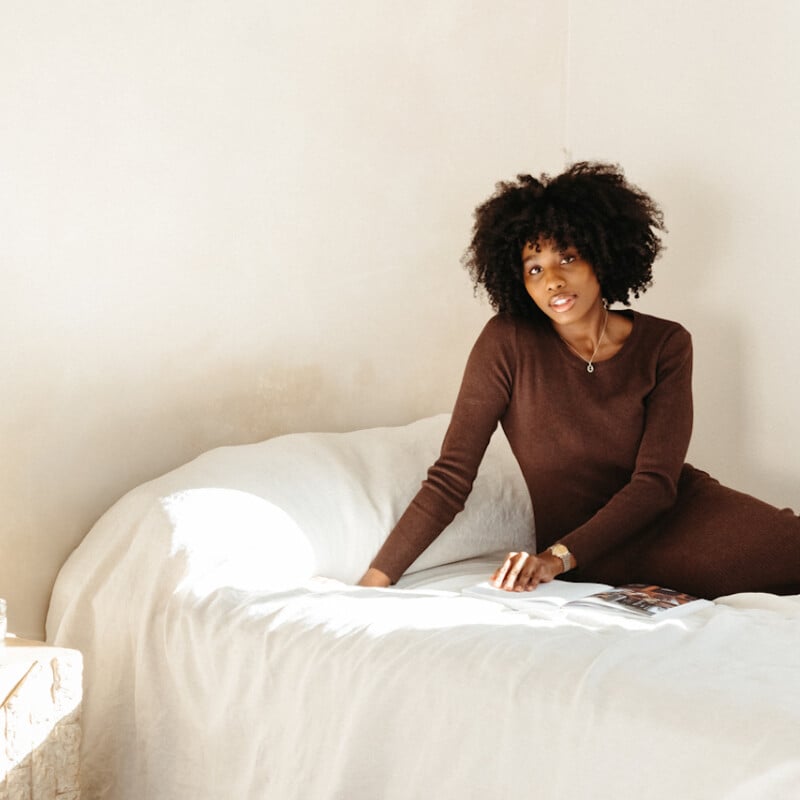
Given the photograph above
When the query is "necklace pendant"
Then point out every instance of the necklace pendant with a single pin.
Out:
(590, 367)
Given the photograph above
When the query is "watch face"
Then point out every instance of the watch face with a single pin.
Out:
(559, 550)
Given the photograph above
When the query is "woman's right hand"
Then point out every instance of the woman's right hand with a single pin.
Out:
(522, 572)
(374, 577)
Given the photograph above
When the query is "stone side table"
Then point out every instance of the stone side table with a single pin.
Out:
(40, 703)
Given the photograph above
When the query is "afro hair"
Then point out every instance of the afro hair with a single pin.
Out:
(591, 207)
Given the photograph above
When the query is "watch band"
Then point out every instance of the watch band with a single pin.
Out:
(561, 551)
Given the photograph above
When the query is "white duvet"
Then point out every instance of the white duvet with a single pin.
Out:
(218, 666)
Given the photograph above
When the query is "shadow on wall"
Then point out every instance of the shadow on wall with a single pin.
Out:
(292, 398)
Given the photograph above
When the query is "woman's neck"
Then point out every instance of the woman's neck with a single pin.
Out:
(586, 336)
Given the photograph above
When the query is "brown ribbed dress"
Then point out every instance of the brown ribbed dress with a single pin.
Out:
(602, 454)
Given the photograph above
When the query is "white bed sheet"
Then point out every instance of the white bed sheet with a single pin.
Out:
(331, 691)
(217, 669)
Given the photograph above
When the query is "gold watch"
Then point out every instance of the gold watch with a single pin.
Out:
(559, 550)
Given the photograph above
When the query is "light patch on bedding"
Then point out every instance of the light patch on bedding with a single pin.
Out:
(236, 539)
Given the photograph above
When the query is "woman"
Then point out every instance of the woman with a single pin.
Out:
(596, 404)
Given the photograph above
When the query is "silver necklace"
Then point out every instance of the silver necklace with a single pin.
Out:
(589, 364)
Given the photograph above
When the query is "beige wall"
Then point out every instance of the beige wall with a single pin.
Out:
(221, 221)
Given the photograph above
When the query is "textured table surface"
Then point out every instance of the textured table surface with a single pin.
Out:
(40, 692)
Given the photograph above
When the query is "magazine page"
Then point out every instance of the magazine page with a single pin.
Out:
(640, 601)
(552, 595)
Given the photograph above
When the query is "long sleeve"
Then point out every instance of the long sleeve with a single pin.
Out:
(601, 452)
(482, 400)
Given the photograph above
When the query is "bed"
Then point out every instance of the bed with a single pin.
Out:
(228, 655)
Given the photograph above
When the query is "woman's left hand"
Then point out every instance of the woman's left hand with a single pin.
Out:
(521, 572)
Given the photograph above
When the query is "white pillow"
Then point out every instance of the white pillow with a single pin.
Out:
(345, 491)
(273, 514)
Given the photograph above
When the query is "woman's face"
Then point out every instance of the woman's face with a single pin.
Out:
(561, 283)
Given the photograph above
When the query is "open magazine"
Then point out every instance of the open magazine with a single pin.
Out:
(634, 600)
